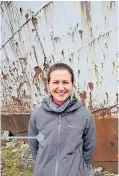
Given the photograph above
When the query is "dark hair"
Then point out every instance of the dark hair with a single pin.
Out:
(61, 66)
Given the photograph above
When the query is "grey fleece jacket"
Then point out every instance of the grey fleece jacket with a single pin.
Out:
(66, 143)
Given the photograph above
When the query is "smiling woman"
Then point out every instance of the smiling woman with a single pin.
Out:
(67, 127)
(60, 85)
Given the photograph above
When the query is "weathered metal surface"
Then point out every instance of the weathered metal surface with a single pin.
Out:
(16, 124)
(107, 137)
(111, 166)
(107, 140)
(36, 35)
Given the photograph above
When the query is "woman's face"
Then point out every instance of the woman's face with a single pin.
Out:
(60, 85)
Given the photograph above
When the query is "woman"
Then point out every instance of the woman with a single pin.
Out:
(66, 131)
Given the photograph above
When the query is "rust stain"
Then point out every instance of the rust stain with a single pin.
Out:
(106, 113)
(45, 84)
(117, 97)
(70, 60)
(57, 39)
(38, 70)
(62, 53)
(95, 68)
(90, 102)
(34, 21)
(106, 46)
(15, 123)
(78, 73)
(113, 64)
(5, 76)
(91, 31)
(25, 60)
(104, 56)
(80, 32)
(117, 55)
(40, 41)
(107, 96)
(18, 100)
(45, 80)
(33, 30)
(45, 10)
(26, 16)
(90, 84)
(112, 144)
(2, 8)
(20, 10)
(107, 117)
(85, 5)
(83, 95)
(35, 55)
(46, 65)
(111, 4)
(16, 44)
(10, 87)
(72, 36)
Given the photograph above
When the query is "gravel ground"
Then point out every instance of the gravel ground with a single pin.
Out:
(16, 160)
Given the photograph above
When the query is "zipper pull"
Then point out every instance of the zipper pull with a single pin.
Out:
(59, 121)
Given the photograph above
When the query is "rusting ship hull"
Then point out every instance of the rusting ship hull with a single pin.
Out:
(83, 34)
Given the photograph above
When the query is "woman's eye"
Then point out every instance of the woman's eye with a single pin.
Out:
(55, 82)
(65, 82)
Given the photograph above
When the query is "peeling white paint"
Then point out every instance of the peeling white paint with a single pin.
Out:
(69, 32)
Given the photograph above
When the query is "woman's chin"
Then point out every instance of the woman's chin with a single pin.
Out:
(60, 100)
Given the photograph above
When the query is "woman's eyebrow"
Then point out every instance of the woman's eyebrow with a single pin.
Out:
(62, 80)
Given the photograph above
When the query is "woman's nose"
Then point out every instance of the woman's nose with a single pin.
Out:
(61, 87)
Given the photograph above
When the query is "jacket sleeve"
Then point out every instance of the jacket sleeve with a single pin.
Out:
(89, 136)
(32, 131)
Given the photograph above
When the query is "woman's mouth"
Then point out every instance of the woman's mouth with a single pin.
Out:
(61, 93)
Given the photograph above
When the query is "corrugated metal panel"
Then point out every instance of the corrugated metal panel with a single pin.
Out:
(35, 37)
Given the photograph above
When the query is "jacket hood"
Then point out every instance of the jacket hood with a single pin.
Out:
(73, 105)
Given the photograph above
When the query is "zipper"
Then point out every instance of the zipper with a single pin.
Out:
(59, 129)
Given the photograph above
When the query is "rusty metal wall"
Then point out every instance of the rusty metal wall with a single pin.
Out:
(35, 35)
(83, 34)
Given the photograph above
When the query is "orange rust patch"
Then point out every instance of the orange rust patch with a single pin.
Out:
(46, 65)
(34, 21)
(83, 95)
(90, 84)
(38, 70)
